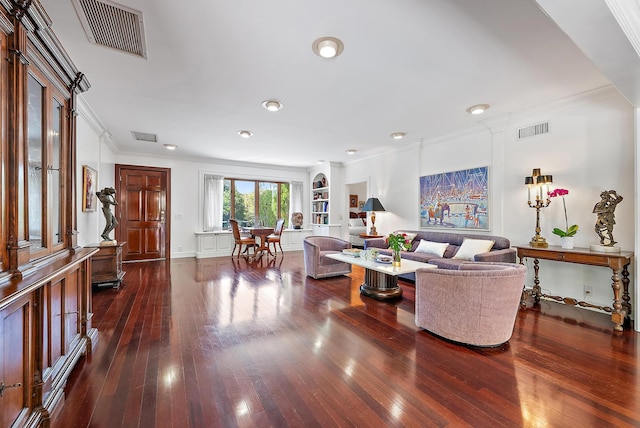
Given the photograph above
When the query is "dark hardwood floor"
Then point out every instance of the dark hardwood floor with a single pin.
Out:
(223, 342)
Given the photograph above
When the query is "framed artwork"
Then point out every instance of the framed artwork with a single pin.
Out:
(89, 186)
(455, 200)
(361, 204)
(353, 201)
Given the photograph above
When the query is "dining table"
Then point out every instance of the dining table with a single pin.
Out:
(261, 232)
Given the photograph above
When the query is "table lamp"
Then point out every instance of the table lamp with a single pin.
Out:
(372, 205)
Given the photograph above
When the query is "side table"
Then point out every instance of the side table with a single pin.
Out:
(366, 236)
(106, 264)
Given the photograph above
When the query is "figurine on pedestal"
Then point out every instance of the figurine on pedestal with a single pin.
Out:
(108, 198)
(605, 209)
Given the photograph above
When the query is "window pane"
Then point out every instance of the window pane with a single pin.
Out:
(36, 164)
(268, 203)
(284, 203)
(240, 201)
(244, 202)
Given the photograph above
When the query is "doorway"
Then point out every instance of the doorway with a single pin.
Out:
(143, 212)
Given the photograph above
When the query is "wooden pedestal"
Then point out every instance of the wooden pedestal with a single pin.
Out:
(106, 265)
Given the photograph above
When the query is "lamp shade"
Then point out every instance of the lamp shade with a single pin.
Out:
(373, 204)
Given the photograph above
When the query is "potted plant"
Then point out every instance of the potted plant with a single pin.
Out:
(397, 242)
(567, 234)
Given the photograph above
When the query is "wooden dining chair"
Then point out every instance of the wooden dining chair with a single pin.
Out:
(275, 236)
(240, 240)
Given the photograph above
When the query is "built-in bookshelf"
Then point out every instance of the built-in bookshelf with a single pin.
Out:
(320, 200)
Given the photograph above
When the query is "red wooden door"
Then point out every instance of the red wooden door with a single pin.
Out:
(143, 211)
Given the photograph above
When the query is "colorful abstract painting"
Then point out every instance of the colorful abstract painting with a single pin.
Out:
(455, 200)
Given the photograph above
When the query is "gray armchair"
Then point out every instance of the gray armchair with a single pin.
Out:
(316, 264)
(475, 305)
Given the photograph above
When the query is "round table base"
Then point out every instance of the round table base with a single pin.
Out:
(380, 286)
(381, 293)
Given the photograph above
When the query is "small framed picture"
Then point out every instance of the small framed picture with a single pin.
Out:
(361, 204)
(353, 201)
(89, 186)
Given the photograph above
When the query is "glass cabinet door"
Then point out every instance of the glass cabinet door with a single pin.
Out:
(55, 172)
(46, 166)
(36, 165)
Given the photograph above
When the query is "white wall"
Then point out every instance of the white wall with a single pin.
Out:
(590, 148)
(88, 148)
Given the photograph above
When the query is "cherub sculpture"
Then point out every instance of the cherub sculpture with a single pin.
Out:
(108, 198)
(609, 199)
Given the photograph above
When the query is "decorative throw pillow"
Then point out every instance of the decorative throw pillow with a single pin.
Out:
(437, 248)
(471, 247)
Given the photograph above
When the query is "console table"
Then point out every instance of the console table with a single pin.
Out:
(617, 262)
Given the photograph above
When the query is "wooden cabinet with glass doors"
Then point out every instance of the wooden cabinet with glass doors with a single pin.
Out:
(45, 277)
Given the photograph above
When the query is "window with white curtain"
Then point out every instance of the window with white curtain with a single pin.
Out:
(251, 202)
(213, 202)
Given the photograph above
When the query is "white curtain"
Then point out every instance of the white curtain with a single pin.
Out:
(213, 201)
(295, 204)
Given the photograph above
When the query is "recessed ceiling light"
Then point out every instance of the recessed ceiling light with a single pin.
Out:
(351, 151)
(272, 105)
(327, 47)
(170, 146)
(398, 135)
(478, 108)
(245, 134)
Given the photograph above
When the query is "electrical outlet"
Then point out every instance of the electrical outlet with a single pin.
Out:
(588, 289)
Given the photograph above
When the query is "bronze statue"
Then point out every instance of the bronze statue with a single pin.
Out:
(108, 198)
(606, 218)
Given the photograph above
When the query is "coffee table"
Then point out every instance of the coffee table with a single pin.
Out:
(381, 279)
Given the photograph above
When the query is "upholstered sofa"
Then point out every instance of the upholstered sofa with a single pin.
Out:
(316, 264)
(475, 305)
(451, 258)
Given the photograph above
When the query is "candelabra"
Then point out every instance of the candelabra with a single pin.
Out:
(540, 184)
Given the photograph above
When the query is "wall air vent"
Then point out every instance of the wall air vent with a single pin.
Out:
(533, 130)
(112, 25)
(143, 136)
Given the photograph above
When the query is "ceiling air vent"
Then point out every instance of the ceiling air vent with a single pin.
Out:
(143, 136)
(112, 25)
(533, 130)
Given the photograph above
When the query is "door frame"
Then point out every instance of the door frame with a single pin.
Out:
(167, 230)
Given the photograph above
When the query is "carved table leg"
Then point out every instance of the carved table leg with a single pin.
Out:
(626, 300)
(537, 291)
(523, 297)
(618, 314)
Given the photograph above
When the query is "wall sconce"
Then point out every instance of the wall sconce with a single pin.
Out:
(373, 205)
(539, 184)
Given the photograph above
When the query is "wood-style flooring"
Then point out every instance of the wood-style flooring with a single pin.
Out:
(226, 342)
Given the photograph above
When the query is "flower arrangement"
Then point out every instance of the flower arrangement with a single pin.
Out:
(398, 242)
(570, 230)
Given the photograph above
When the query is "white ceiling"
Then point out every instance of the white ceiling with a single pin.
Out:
(408, 65)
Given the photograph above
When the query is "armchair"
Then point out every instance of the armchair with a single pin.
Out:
(475, 305)
(316, 264)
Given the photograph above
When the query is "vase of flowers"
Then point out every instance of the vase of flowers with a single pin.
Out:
(398, 242)
(566, 235)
